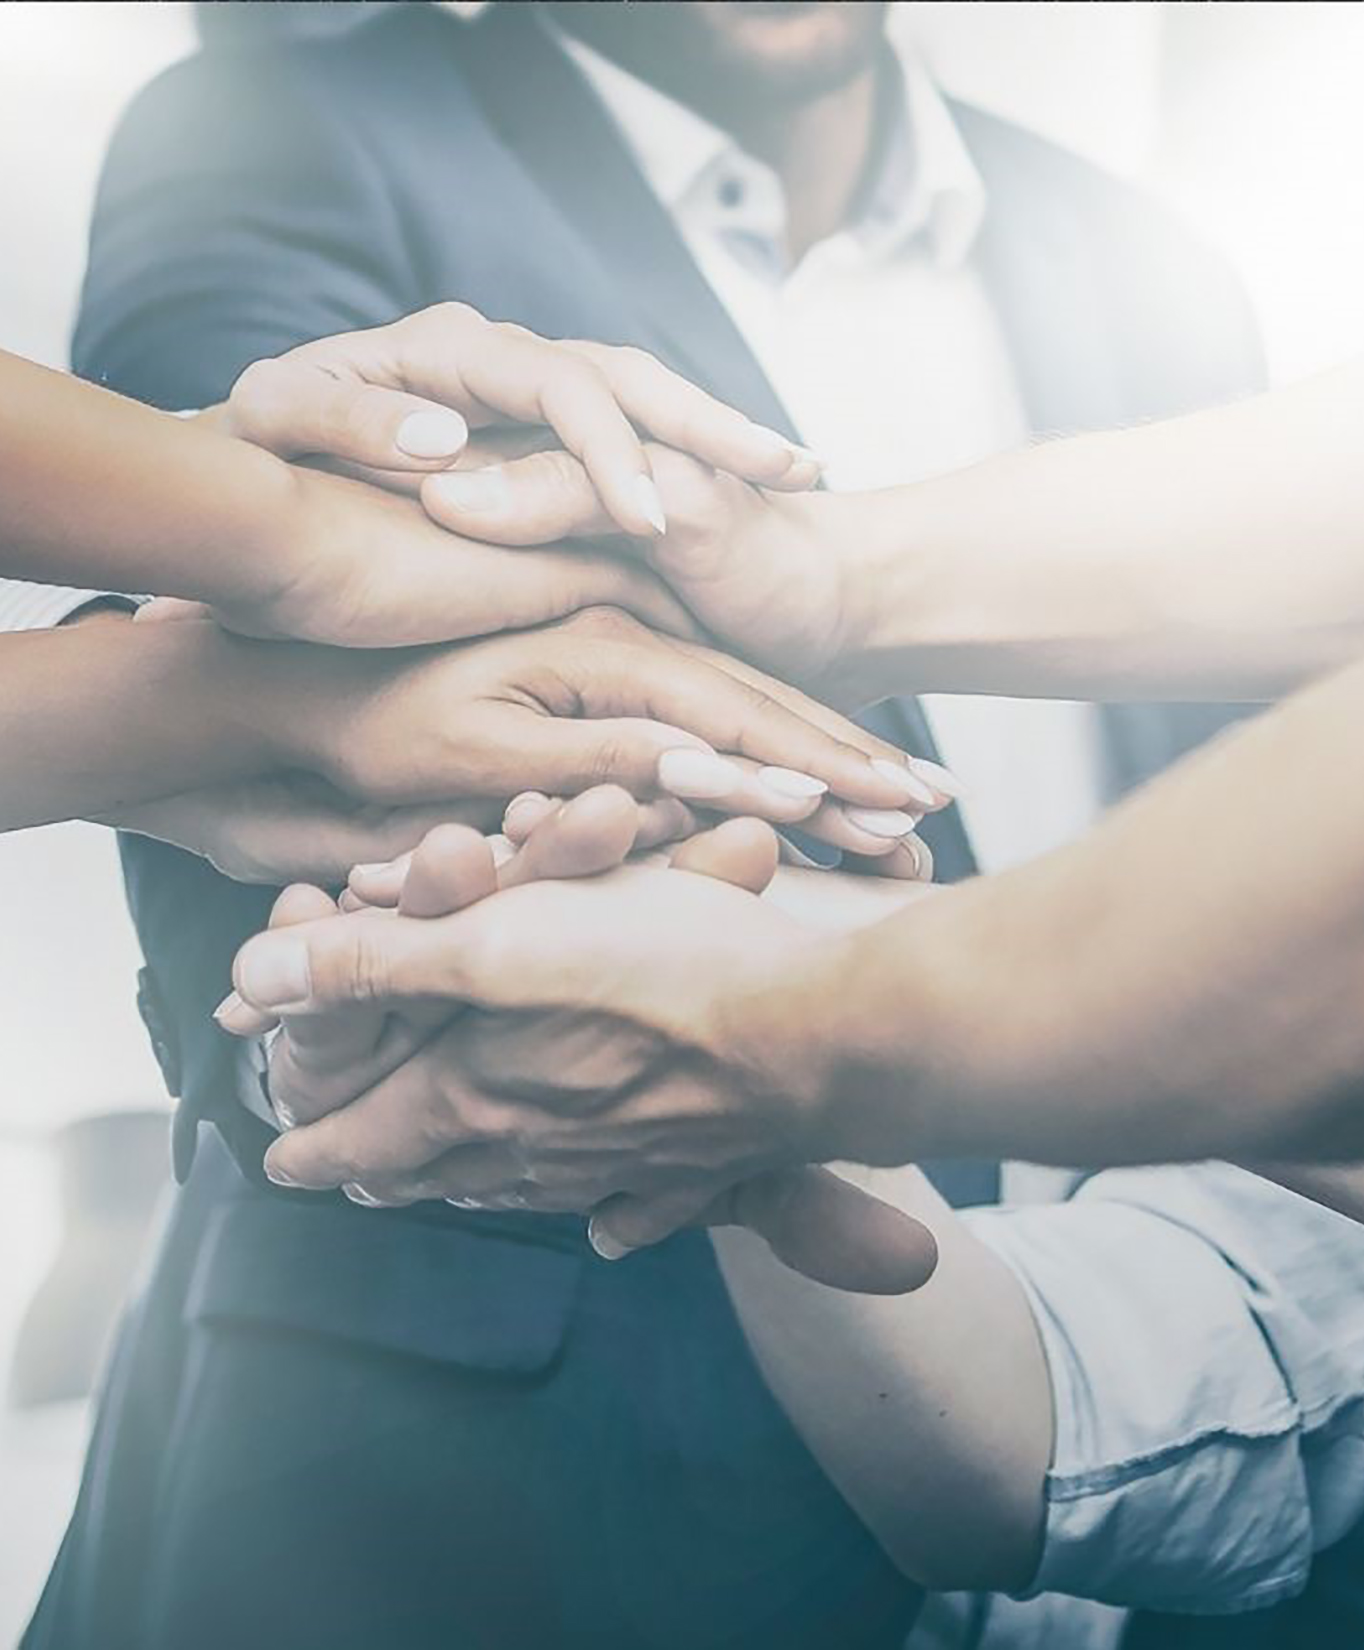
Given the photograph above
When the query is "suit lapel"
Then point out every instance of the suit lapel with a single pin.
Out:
(1038, 259)
(537, 101)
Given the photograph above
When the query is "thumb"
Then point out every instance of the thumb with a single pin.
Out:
(532, 500)
(358, 957)
(293, 407)
(814, 1222)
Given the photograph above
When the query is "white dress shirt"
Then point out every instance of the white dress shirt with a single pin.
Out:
(1204, 1331)
(41, 606)
(883, 345)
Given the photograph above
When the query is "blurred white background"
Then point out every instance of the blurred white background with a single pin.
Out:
(1249, 117)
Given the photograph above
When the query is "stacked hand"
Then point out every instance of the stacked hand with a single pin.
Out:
(374, 1089)
(605, 679)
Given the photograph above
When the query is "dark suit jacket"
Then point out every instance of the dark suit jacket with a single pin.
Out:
(435, 1428)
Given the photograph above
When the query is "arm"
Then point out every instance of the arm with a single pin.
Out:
(1051, 1414)
(1214, 556)
(136, 710)
(1155, 991)
(1211, 990)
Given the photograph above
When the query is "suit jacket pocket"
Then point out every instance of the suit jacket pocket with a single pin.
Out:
(447, 1293)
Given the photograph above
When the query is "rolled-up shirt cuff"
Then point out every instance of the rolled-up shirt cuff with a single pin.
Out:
(45, 606)
(1189, 1474)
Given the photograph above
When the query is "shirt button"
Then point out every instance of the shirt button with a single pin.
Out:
(731, 193)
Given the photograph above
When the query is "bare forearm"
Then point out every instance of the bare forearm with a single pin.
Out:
(100, 491)
(1185, 982)
(937, 1400)
(1219, 555)
(112, 713)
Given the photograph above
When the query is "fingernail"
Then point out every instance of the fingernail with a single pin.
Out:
(608, 1247)
(650, 504)
(790, 782)
(698, 774)
(277, 1176)
(882, 822)
(358, 1194)
(912, 848)
(503, 850)
(232, 1014)
(370, 870)
(439, 433)
(898, 773)
(284, 1114)
(519, 804)
(941, 779)
(791, 855)
(274, 972)
(478, 492)
(804, 455)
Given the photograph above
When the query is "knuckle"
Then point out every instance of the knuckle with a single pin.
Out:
(451, 315)
(603, 622)
(697, 496)
(638, 362)
(364, 966)
(253, 393)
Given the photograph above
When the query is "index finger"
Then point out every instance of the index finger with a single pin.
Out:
(680, 414)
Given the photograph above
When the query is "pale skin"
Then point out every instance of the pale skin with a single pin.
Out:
(1190, 1026)
(887, 1387)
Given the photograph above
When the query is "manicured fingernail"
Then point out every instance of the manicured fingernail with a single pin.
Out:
(898, 773)
(882, 822)
(803, 455)
(608, 1247)
(439, 433)
(370, 870)
(791, 855)
(915, 851)
(358, 1194)
(475, 492)
(277, 1176)
(650, 504)
(698, 774)
(232, 1014)
(274, 971)
(790, 782)
(503, 850)
(941, 779)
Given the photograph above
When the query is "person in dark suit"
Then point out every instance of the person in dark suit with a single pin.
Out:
(437, 1427)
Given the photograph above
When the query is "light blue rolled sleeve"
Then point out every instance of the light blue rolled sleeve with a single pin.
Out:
(1204, 1331)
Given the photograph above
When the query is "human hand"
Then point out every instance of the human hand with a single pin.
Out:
(815, 1222)
(401, 399)
(597, 697)
(610, 1041)
(776, 578)
(289, 827)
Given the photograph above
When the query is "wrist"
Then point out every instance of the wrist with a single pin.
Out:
(905, 598)
(269, 543)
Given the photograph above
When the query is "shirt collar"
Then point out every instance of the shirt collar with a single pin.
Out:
(925, 183)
